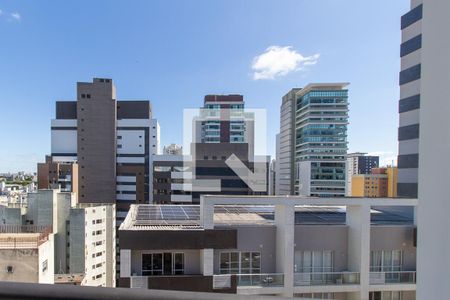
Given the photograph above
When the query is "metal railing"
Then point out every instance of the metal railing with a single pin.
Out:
(326, 278)
(12, 237)
(393, 277)
(261, 280)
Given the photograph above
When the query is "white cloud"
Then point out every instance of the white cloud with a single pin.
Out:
(279, 61)
(16, 16)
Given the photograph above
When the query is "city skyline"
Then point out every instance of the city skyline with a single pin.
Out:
(180, 62)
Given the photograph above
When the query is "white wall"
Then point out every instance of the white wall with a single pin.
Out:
(434, 148)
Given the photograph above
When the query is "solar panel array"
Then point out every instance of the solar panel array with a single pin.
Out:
(167, 214)
(190, 214)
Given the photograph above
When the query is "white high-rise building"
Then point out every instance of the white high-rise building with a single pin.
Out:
(312, 144)
(426, 69)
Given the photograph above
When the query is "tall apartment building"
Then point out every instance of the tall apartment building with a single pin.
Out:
(78, 241)
(221, 129)
(409, 104)
(312, 144)
(172, 177)
(62, 175)
(84, 235)
(381, 182)
(338, 248)
(112, 141)
(92, 241)
(359, 163)
(425, 79)
(221, 126)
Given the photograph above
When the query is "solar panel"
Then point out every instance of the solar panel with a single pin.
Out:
(190, 214)
(166, 214)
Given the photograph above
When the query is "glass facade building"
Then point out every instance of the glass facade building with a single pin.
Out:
(320, 148)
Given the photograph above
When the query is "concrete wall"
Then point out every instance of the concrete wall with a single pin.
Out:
(40, 207)
(46, 261)
(61, 213)
(324, 237)
(434, 163)
(76, 239)
(395, 238)
(96, 141)
(256, 239)
(10, 216)
(25, 263)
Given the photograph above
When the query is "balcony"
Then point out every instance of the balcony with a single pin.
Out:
(396, 277)
(328, 278)
(260, 280)
(191, 283)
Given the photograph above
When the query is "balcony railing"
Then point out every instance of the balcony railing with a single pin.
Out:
(260, 280)
(328, 278)
(403, 277)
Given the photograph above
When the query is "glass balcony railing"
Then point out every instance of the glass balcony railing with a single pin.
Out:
(261, 280)
(329, 278)
(395, 277)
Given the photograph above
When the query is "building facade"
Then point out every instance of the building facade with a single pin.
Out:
(359, 163)
(112, 141)
(26, 254)
(409, 104)
(428, 21)
(313, 141)
(269, 246)
(92, 240)
(381, 182)
(221, 130)
(82, 236)
(62, 175)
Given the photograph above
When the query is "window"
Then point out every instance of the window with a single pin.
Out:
(388, 295)
(313, 261)
(119, 146)
(162, 264)
(44, 265)
(152, 264)
(240, 263)
(9, 269)
(386, 261)
(119, 137)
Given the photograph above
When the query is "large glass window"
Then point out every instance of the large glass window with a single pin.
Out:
(386, 261)
(313, 261)
(240, 263)
(154, 264)
(389, 295)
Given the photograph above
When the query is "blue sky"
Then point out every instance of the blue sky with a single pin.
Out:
(175, 52)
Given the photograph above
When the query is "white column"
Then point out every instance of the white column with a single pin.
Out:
(358, 258)
(207, 262)
(284, 221)
(125, 263)
(206, 213)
